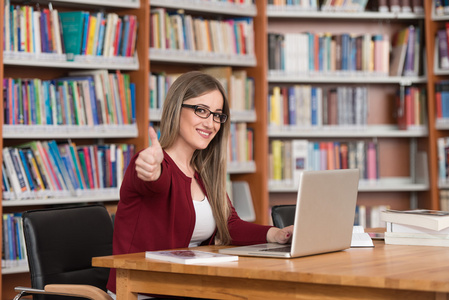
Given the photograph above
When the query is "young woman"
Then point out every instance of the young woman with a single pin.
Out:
(174, 192)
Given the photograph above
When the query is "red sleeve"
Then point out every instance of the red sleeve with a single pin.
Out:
(161, 185)
(246, 233)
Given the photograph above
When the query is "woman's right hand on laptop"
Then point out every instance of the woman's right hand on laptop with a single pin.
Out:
(281, 236)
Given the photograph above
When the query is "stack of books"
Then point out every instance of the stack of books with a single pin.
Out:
(417, 227)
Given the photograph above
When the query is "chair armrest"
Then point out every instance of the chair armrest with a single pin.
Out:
(26, 291)
(79, 290)
(74, 290)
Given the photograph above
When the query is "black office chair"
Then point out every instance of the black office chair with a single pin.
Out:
(283, 215)
(60, 244)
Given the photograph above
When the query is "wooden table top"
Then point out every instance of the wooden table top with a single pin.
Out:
(420, 268)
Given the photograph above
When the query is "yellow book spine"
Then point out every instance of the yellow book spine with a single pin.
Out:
(91, 35)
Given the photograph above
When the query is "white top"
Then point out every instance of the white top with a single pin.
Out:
(204, 224)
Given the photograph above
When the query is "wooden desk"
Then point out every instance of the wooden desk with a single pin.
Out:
(384, 272)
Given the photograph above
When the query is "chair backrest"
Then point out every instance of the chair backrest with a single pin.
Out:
(283, 215)
(61, 242)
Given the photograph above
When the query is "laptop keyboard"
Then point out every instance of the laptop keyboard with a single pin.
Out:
(279, 249)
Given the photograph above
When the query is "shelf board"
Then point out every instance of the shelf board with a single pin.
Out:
(89, 196)
(236, 115)
(222, 8)
(439, 71)
(15, 270)
(345, 77)
(291, 12)
(247, 116)
(102, 3)
(59, 61)
(350, 132)
(387, 184)
(204, 58)
(442, 124)
(68, 131)
(241, 167)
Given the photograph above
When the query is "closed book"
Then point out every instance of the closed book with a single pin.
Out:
(403, 228)
(399, 51)
(410, 56)
(444, 90)
(430, 219)
(12, 175)
(190, 256)
(72, 31)
(20, 173)
(417, 239)
(26, 169)
(442, 49)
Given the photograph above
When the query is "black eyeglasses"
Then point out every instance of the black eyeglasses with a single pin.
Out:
(204, 113)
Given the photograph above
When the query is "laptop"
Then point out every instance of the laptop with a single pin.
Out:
(324, 217)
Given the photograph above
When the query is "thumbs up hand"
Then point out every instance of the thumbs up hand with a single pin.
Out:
(148, 163)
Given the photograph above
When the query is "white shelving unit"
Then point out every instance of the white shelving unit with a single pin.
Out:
(95, 196)
(111, 63)
(48, 62)
(68, 131)
(101, 3)
(289, 12)
(198, 57)
(388, 184)
(370, 131)
(216, 7)
(359, 78)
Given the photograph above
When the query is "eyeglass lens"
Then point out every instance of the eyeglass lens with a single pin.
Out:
(205, 113)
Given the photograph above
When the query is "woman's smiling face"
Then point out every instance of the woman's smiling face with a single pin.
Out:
(196, 133)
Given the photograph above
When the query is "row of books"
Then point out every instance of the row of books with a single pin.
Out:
(84, 98)
(86, 33)
(395, 6)
(406, 52)
(441, 7)
(417, 227)
(238, 85)
(442, 99)
(442, 42)
(443, 159)
(444, 200)
(306, 52)
(404, 6)
(288, 158)
(179, 31)
(46, 30)
(241, 143)
(352, 5)
(368, 216)
(40, 169)
(411, 107)
(327, 53)
(13, 242)
(313, 106)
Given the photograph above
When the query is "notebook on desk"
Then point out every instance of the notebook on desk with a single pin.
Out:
(324, 218)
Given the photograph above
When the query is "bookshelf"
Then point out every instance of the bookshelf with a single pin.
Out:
(45, 67)
(172, 61)
(437, 127)
(403, 180)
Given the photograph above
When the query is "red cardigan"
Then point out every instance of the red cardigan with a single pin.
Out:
(160, 215)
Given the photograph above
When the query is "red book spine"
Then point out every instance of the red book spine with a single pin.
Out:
(88, 166)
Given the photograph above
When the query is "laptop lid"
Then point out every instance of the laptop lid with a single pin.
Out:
(324, 218)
